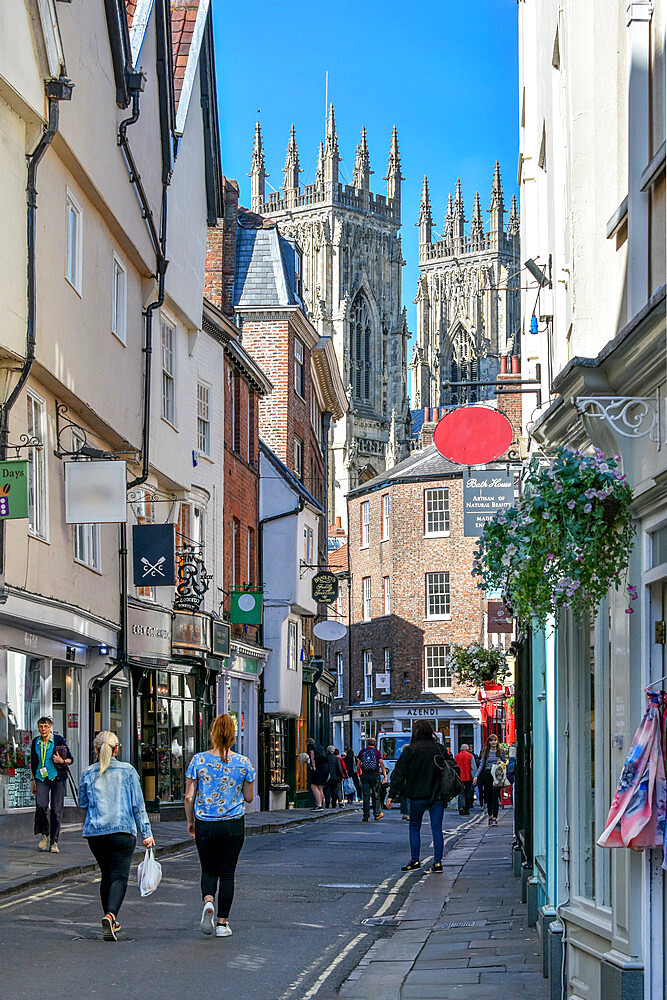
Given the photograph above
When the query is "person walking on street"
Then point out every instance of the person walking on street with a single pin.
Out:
(332, 786)
(372, 768)
(464, 762)
(110, 793)
(417, 775)
(49, 758)
(218, 785)
(492, 755)
(319, 771)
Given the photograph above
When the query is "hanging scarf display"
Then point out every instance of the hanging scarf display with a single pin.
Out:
(638, 813)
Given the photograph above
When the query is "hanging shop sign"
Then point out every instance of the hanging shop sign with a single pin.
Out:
(191, 632)
(325, 587)
(245, 607)
(13, 489)
(485, 493)
(95, 492)
(220, 638)
(148, 635)
(473, 435)
(153, 555)
(499, 619)
(383, 682)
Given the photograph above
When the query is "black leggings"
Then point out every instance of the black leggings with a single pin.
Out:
(113, 853)
(219, 843)
(491, 794)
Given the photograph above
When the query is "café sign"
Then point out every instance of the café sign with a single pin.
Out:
(148, 634)
(485, 493)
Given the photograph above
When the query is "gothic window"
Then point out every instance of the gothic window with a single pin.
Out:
(361, 350)
(463, 367)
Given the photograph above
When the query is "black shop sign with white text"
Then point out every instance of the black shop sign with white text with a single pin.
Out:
(153, 555)
(485, 493)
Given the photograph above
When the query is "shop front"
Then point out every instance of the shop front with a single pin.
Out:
(314, 720)
(238, 695)
(457, 722)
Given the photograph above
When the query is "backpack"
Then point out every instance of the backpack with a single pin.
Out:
(368, 760)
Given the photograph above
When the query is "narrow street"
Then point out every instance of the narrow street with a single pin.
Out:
(301, 900)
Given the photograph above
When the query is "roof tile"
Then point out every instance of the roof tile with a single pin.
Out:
(183, 16)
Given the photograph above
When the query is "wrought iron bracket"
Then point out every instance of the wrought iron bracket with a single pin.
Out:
(65, 424)
(304, 566)
(25, 441)
(193, 580)
(630, 416)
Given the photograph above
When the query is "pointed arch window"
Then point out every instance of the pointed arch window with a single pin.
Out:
(463, 367)
(361, 350)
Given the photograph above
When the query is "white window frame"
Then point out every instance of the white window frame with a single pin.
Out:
(292, 645)
(442, 666)
(365, 524)
(145, 511)
(386, 595)
(316, 417)
(236, 531)
(431, 511)
(339, 602)
(385, 517)
(204, 418)
(339, 675)
(86, 538)
(248, 546)
(366, 598)
(168, 366)
(299, 368)
(387, 660)
(119, 300)
(368, 674)
(436, 589)
(298, 458)
(308, 545)
(38, 512)
(73, 254)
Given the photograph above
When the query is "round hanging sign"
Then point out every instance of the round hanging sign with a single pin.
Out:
(330, 630)
(247, 602)
(473, 435)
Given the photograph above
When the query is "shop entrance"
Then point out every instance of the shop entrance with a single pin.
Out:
(66, 701)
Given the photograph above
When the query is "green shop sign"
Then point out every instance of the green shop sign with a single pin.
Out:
(245, 607)
(13, 489)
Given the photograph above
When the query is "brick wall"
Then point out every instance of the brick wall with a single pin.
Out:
(221, 252)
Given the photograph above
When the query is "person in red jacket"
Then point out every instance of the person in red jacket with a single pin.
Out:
(467, 796)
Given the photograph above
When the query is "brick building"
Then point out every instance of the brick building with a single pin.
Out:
(406, 588)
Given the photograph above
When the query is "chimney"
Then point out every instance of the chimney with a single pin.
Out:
(503, 364)
(515, 364)
(435, 414)
(339, 523)
(221, 252)
(427, 414)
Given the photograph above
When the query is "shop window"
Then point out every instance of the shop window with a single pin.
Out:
(437, 669)
(37, 468)
(18, 725)
(437, 595)
(436, 512)
(278, 752)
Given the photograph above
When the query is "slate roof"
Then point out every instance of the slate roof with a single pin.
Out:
(427, 463)
(289, 476)
(183, 17)
(264, 274)
(417, 421)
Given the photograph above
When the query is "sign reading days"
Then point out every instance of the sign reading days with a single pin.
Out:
(325, 587)
(484, 494)
(13, 489)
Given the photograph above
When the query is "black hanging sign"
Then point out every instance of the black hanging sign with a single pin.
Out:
(153, 555)
(325, 587)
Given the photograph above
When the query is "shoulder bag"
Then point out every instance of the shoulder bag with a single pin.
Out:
(448, 783)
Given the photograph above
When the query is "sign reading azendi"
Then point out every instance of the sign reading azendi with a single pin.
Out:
(484, 494)
(325, 587)
(13, 489)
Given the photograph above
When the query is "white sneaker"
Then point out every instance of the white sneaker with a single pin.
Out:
(43, 845)
(54, 848)
(223, 930)
(207, 915)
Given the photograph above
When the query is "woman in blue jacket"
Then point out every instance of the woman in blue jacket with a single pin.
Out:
(111, 794)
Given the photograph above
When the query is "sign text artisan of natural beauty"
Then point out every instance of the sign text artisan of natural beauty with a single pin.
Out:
(484, 494)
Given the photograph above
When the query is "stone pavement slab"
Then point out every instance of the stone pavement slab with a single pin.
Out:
(24, 867)
(478, 941)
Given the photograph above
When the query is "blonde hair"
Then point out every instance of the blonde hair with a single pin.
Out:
(105, 744)
(223, 734)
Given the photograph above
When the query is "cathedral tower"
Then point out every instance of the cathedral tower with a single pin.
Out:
(352, 265)
(467, 299)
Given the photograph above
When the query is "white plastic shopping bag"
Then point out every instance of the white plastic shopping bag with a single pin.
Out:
(149, 874)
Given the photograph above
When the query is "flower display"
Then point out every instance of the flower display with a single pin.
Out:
(476, 665)
(565, 542)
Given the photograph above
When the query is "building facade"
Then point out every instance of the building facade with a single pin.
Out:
(351, 289)
(468, 300)
(592, 99)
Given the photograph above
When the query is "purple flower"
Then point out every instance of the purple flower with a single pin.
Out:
(571, 504)
(629, 611)
(589, 494)
(545, 515)
(588, 508)
(558, 487)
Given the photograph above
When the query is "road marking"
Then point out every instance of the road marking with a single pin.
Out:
(347, 885)
(314, 989)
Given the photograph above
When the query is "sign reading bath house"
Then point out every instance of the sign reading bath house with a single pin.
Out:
(13, 489)
(485, 492)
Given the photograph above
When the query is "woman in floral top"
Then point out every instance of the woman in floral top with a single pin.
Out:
(219, 783)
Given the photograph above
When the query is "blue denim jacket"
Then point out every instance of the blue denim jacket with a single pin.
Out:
(113, 800)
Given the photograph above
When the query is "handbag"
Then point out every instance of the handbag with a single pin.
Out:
(348, 786)
(449, 783)
(498, 774)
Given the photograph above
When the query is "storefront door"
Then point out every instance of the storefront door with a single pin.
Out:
(66, 711)
(119, 718)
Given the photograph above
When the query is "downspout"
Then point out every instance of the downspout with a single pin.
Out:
(56, 91)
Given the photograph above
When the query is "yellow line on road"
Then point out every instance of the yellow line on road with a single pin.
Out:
(314, 989)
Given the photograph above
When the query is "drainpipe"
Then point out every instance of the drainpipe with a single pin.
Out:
(56, 91)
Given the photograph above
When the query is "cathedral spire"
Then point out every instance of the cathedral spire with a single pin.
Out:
(319, 173)
(476, 225)
(394, 176)
(292, 169)
(331, 155)
(458, 220)
(258, 173)
(513, 220)
(497, 208)
(448, 232)
(361, 175)
(425, 221)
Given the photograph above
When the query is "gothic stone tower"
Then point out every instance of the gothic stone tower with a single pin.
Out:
(468, 300)
(351, 285)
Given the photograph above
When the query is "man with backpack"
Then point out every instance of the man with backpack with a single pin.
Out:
(371, 767)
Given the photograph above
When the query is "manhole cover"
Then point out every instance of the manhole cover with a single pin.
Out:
(460, 923)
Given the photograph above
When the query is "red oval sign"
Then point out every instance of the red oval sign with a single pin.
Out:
(473, 435)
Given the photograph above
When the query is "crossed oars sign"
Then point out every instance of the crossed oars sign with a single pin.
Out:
(151, 569)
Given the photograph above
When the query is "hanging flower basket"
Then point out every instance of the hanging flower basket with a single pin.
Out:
(475, 665)
(565, 543)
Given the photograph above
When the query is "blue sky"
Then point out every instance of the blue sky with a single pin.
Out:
(443, 71)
